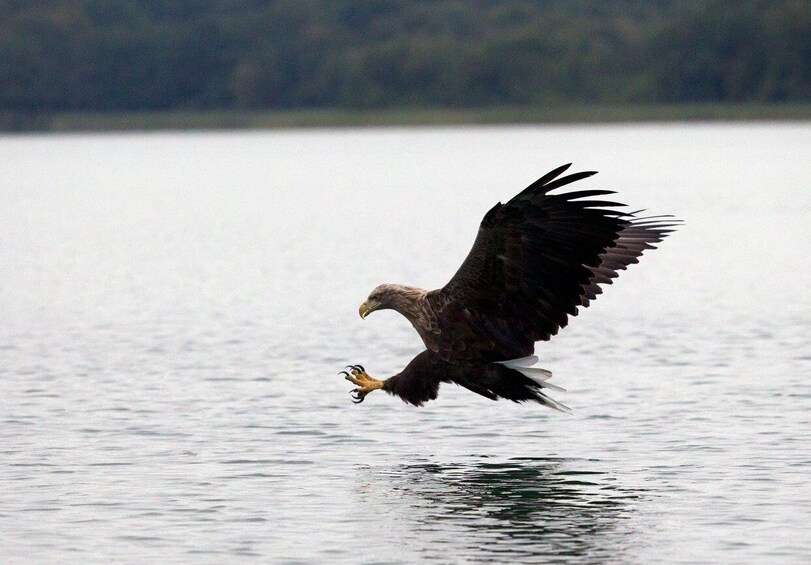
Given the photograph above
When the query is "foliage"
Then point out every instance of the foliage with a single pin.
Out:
(104, 55)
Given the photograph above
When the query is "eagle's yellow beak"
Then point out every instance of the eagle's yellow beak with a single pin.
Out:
(368, 307)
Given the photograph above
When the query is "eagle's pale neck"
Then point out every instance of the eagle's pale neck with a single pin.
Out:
(407, 300)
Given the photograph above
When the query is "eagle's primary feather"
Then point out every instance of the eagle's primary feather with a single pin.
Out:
(535, 261)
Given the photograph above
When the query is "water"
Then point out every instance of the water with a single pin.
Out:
(174, 309)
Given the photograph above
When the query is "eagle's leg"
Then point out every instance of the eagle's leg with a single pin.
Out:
(360, 377)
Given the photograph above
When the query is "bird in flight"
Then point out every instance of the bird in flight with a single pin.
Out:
(535, 261)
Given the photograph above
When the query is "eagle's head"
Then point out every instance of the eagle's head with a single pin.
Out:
(379, 299)
(394, 296)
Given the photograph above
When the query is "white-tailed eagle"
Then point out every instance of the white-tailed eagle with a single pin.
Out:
(535, 261)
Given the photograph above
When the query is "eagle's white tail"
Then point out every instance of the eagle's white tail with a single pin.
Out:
(540, 377)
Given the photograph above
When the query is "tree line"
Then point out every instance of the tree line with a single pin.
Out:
(113, 55)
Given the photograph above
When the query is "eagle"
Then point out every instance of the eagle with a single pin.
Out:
(534, 262)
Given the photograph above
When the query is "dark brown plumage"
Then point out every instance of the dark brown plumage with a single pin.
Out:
(535, 261)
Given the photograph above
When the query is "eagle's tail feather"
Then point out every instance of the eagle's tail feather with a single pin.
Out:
(520, 362)
(552, 403)
(524, 365)
(511, 380)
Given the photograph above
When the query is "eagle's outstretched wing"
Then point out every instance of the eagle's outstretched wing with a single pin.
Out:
(536, 259)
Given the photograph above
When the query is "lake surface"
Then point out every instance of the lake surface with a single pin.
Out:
(175, 308)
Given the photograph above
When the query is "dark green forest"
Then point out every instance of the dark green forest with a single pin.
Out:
(156, 55)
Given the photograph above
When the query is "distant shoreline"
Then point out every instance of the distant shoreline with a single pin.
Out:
(179, 120)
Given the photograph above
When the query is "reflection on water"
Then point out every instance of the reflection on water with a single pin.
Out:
(524, 507)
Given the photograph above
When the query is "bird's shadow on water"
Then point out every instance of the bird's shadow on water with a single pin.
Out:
(522, 507)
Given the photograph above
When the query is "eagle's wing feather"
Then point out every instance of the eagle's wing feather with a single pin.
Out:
(536, 259)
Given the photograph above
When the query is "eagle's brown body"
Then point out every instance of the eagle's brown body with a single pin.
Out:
(535, 260)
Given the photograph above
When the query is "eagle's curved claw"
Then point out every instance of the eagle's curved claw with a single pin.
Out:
(365, 383)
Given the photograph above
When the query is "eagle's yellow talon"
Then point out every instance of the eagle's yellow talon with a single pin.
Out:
(365, 383)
